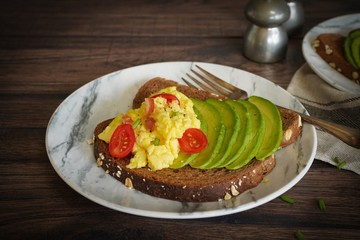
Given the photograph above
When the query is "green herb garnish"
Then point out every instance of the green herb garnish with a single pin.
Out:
(136, 123)
(174, 114)
(299, 235)
(287, 199)
(339, 164)
(321, 204)
(156, 142)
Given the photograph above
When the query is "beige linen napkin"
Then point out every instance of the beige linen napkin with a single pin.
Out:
(324, 101)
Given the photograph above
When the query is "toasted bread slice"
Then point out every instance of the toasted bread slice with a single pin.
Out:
(188, 184)
(185, 184)
(330, 47)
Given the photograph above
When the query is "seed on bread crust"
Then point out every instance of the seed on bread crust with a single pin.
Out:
(227, 196)
(128, 183)
(288, 134)
(328, 50)
(234, 192)
(299, 121)
(99, 161)
(315, 44)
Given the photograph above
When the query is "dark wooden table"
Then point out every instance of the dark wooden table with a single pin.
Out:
(48, 49)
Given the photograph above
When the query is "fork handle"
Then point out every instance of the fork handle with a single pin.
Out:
(350, 136)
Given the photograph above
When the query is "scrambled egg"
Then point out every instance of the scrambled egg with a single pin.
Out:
(157, 149)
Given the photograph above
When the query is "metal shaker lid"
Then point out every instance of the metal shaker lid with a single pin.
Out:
(267, 13)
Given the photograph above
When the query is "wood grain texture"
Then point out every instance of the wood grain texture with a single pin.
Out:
(48, 49)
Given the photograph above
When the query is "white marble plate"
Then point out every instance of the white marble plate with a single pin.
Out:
(342, 25)
(73, 122)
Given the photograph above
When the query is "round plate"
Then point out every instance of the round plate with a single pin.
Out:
(72, 125)
(341, 25)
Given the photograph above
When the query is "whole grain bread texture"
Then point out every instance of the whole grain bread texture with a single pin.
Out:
(189, 184)
(330, 47)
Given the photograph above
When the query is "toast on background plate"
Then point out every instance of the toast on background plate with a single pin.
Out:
(336, 51)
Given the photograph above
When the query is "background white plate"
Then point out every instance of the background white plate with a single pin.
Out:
(342, 25)
(73, 122)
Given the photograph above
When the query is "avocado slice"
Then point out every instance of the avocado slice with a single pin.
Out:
(348, 54)
(273, 127)
(354, 33)
(215, 134)
(243, 134)
(355, 50)
(254, 135)
(232, 128)
(351, 54)
(184, 159)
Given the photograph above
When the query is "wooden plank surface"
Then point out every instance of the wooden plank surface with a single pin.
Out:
(48, 49)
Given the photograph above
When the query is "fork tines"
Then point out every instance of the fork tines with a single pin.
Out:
(214, 83)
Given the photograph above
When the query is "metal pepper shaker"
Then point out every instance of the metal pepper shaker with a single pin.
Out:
(296, 20)
(265, 40)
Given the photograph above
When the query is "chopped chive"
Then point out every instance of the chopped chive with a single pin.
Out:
(341, 164)
(299, 235)
(287, 199)
(174, 114)
(136, 123)
(156, 142)
(321, 204)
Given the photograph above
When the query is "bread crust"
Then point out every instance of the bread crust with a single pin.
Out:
(188, 184)
(330, 47)
(185, 184)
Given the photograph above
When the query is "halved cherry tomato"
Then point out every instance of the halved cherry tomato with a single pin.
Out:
(169, 97)
(150, 106)
(193, 141)
(122, 141)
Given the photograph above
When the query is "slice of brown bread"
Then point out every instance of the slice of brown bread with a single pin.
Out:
(188, 184)
(330, 47)
(185, 184)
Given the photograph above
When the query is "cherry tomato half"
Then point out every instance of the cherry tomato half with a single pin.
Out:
(169, 97)
(122, 141)
(193, 141)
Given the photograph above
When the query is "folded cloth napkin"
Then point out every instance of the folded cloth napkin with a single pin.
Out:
(325, 102)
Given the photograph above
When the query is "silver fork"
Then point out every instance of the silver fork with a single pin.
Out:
(210, 82)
